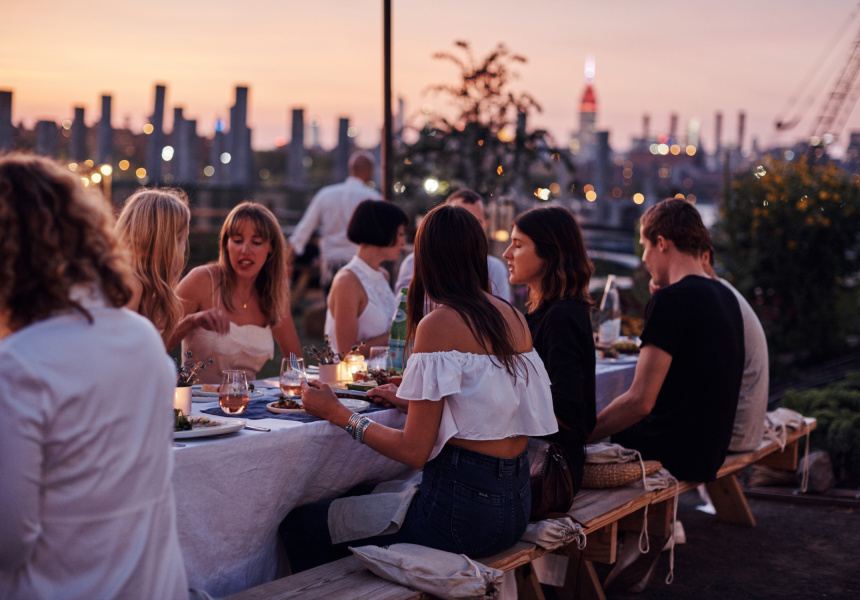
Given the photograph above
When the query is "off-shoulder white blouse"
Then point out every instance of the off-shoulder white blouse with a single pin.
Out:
(483, 401)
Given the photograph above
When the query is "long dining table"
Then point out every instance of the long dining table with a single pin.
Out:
(233, 491)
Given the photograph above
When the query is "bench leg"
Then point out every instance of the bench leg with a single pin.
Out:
(729, 501)
(581, 581)
(528, 586)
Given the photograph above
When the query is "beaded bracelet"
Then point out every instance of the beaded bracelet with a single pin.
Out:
(354, 420)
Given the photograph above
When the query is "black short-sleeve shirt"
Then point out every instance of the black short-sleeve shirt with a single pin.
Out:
(698, 321)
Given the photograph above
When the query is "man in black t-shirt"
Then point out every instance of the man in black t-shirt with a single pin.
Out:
(681, 405)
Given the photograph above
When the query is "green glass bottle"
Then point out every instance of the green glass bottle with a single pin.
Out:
(397, 335)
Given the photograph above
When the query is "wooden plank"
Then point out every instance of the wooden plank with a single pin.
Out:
(659, 519)
(786, 460)
(729, 501)
(528, 586)
(519, 554)
(601, 546)
(342, 579)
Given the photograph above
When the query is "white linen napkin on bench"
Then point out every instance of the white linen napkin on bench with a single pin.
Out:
(379, 513)
(443, 574)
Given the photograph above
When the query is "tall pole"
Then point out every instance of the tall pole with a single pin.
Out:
(387, 134)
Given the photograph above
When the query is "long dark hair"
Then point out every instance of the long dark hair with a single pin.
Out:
(558, 241)
(451, 269)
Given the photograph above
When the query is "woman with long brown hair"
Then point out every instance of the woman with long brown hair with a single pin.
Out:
(476, 390)
(547, 254)
(236, 307)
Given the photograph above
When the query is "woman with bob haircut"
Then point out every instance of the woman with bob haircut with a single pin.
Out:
(361, 303)
(154, 225)
(547, 254)
(476, 390)
(236, 307)
(86, 499)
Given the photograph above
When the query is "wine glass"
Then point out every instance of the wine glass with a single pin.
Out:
(379, 358)
(233, 392)
(292, 373)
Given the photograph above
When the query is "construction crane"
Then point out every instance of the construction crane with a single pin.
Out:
(839, 102)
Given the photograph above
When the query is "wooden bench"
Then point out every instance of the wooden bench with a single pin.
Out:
(602, 513)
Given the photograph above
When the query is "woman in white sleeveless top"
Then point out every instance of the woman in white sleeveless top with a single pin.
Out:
(361, 302)
(236, 309)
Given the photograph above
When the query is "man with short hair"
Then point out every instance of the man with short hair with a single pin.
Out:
(471, 201)
(330, 210)
(681, 405)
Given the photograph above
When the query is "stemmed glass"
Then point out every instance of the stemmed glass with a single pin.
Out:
(233, 392)
(379, 358)
(292, 374)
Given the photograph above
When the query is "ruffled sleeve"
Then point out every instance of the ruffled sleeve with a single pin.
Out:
(431, 376)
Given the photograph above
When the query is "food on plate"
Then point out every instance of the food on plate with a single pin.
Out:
(208, 387)
(361, 386)
(378, 376)
(183, 423)
(606, 350)
(284, 402)
(625, 347)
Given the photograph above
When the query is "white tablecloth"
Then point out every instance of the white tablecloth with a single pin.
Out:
(232, 492)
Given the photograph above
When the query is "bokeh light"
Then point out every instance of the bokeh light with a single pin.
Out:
(148, 128)
(638, 198)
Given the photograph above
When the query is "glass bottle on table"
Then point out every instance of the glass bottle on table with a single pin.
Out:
(610, 310)
(397, 335)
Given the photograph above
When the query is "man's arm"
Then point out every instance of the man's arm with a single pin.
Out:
(636, 403)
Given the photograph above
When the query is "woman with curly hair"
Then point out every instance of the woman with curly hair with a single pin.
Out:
(154, 226)
(235, 307)
(547, 254)
(86, 390)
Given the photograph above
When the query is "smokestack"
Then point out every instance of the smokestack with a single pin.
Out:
(155, 140)
(105, 145)
(296, 153)
(6, 129)
(79, 136)
(742, 120)
(646, 125)
(673, 126)
(718, 148)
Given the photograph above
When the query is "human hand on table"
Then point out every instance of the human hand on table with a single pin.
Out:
(319, 400)
(386, 395)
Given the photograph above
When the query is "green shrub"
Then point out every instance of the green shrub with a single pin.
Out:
(837, 408)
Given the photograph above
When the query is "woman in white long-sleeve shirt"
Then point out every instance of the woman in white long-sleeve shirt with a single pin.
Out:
(86, 499)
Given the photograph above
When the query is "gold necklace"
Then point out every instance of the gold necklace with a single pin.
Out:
(248, 299)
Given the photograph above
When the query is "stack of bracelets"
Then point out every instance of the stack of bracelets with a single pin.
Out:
(356, 426)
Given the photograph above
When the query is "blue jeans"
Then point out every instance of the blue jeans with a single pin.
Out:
(468, 503)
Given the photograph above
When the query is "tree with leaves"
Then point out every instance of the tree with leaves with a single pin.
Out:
(481, 141)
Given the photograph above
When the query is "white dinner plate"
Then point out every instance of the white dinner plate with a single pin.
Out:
(222, 428)
(622, 358)
(356, 405)
(197, 391)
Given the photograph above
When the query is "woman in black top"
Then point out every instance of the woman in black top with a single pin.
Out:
(547, 254)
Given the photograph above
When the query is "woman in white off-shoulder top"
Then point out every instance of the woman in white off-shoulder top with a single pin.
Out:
(476, 390)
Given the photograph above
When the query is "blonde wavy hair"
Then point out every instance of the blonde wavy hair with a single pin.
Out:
(150, 223)
(272, 286)
(56, 235)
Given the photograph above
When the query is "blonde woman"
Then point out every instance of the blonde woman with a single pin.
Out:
(235, 308)
(153, 225)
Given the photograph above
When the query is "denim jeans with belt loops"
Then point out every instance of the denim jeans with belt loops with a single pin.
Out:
(468, 503)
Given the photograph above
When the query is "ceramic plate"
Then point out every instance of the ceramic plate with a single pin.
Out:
(355, 405)
(220, 429)
(274, 409)
(622, 358)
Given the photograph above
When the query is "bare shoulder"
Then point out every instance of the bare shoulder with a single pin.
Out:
(197, 284)
(441, 330)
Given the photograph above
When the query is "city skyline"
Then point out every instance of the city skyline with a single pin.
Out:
(656, 59)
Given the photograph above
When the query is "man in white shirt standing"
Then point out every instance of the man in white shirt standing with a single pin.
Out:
(471, 201)
(330, 211)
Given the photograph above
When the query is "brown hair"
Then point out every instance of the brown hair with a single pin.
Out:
(56, 235)
(272, 286)
(679, 221)
(451, 269)
(150, 223)
(559, 242)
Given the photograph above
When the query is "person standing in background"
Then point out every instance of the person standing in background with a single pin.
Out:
(329, 212)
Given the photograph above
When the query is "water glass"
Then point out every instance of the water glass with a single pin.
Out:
(292, 373)
(379, 358)
(233, 392)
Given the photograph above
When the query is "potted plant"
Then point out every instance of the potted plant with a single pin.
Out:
(186, 376)
(329, 361)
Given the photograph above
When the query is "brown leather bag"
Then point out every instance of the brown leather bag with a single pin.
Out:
(550, 478)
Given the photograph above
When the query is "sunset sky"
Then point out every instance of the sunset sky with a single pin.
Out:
(658, 57)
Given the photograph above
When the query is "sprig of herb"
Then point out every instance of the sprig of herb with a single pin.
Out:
(327, 356)
(188, 372)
